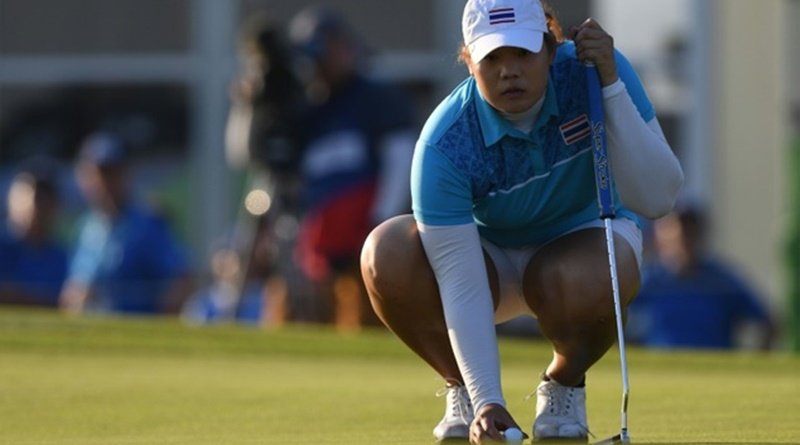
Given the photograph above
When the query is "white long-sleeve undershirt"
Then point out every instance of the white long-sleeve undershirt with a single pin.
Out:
(456, 257)
(646, 172)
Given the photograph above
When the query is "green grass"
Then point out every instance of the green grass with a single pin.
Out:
(132, 381)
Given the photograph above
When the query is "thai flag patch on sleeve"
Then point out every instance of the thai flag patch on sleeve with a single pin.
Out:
(575, 129)
(501, 15)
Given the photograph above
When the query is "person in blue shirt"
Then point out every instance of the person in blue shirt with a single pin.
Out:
(126, 260)
(690, 298)
(505, 217)
(33, 261)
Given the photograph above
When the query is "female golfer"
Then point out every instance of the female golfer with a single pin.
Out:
(505, 217)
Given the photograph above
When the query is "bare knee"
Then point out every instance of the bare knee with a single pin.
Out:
(393, 262)
(566, 301)
(394, 237)
(569, 286)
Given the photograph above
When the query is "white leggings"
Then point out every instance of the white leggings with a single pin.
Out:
(511, 263)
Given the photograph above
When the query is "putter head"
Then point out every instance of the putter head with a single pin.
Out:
(618, 439)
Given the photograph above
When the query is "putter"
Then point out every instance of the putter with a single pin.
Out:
(605, 201)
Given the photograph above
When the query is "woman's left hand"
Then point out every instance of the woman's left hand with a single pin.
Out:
(594, 44)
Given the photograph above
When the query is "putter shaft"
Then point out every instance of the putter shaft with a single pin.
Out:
(612, 259)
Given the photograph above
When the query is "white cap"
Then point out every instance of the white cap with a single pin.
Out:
(490, 24)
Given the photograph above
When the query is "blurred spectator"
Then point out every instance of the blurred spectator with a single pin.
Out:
(359, 138)
(126, 259)
(689, 298)
(33, 263)
(245, 290)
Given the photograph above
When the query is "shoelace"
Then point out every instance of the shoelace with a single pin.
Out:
(560, 402)
(458, 402)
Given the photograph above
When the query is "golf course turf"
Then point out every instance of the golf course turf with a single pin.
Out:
(91, 380)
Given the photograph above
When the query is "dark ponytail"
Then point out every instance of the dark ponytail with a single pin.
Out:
(555, 35)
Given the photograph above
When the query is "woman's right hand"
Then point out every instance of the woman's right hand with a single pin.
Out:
(594, 44)
(488, 424)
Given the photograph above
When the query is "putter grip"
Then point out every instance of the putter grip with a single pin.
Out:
(602, 170)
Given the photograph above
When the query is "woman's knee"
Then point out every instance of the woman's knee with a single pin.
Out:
(570, 281)
(393, 262)
(395, 240)
(394, 266)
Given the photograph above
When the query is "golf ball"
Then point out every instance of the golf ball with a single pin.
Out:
(513, 435)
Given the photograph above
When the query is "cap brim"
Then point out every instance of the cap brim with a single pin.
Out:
(525, 39)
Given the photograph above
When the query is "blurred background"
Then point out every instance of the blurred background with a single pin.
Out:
(723, 75)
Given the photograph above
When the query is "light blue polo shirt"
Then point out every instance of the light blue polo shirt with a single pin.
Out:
(471, 165)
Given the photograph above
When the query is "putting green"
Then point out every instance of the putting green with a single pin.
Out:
(146, 381)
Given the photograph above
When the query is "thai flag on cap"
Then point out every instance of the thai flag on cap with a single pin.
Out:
(575, 129)
(501, 15)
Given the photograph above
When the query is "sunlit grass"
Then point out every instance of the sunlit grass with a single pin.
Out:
(137, 381)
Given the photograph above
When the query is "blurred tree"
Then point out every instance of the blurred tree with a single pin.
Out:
(793, 244)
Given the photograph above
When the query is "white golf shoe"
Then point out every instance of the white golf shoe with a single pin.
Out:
(560, 412)
(458, 415)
